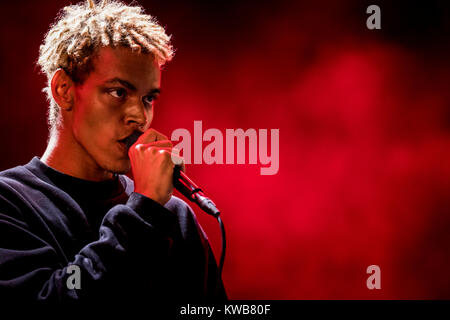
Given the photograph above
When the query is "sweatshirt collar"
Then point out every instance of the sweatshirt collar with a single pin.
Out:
(106, 188)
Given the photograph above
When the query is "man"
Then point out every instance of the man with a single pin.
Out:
(72, 213)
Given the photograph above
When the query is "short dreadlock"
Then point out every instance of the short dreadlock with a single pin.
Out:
(81, 30)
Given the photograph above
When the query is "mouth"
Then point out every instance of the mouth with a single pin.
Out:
(122, 146)
(130, 140)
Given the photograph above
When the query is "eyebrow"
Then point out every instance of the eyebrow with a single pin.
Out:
(131, 86)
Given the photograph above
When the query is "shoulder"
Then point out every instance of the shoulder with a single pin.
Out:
(15, 177)
(186, 217)
(14, 187)
(176, 204)
(15, 172)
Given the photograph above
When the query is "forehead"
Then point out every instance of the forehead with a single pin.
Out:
(125, 64)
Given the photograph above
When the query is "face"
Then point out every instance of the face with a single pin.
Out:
(115, 100)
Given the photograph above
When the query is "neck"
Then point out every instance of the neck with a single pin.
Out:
(66, 155)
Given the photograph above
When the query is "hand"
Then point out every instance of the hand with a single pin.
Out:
(152, 160)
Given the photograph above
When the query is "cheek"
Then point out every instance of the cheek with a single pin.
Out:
(91, 114)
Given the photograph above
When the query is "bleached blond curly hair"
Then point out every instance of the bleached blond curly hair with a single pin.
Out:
(81, 30)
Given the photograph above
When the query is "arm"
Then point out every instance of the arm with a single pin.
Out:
(30, 270)
(197, 255)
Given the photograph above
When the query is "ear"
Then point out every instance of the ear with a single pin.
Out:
(63, 90)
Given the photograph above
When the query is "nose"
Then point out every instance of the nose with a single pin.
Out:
(138, 116)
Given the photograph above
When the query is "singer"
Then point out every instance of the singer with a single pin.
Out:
(73, 227)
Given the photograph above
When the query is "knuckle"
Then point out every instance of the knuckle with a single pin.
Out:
(165, 153)
(139, 147)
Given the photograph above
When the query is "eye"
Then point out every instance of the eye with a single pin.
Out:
(148, 99)
(119, 93)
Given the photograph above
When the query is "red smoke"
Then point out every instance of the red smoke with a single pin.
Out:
(364, 173)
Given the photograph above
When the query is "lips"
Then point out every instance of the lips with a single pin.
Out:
(130, 140)
(122, 146)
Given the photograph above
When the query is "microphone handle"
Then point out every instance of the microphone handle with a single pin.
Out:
(190, 190)
(183, 184)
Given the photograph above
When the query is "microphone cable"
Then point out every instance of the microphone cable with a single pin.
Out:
(222, 254)
(192, 192)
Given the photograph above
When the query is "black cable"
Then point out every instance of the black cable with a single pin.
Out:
(192, 192)
(222, 254)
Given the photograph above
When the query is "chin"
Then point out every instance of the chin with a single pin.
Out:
(119, 166)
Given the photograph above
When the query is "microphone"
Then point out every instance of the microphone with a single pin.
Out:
(191, 191)
(184, 184)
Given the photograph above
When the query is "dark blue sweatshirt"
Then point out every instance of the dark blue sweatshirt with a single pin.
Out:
(127, 247)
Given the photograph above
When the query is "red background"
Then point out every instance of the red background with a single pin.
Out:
(364, 121)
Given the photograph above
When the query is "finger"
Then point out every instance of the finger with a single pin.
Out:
(151, 135)
(174, 156)
(162, 144)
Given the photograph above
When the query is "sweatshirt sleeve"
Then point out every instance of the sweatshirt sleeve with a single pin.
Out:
(133, 245)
